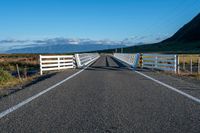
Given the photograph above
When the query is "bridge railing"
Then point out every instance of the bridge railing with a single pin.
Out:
(130, 59)
(56, 62)
(85, 59)
(164, 62)
(59, 62)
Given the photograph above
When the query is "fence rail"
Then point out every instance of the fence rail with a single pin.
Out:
(189, 63)
(130, 59)
(58, 62)
(160, 62)
(85, 58)
(155, 61)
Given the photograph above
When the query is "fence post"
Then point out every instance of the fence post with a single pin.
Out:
(156, 62)
(41, 73)
(18, 72)
(191, 71)
(58, 63)
(199, 66)
(175, 63)
(178, 64)
(183, 62)
(25, 72)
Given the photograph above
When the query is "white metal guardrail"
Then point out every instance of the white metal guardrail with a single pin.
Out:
(160, 61)
(59, 62)
(85, 58)
(130, 59)
(163, 62)
(56, 62)
(155, 61)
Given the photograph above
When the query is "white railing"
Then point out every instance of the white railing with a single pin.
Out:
(130, 59)
(163, 62)
(85, 58)
(56, 62)
(160, 61)
(59, 62)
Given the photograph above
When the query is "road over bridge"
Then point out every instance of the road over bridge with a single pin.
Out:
(105, 97)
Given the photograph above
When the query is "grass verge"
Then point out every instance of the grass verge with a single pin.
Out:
(7, 80)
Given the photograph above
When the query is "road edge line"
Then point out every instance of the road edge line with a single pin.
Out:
(24, 102)
(170, 87)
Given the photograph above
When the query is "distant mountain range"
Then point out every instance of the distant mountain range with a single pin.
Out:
(185, 40)
(64, 48)
(60, 45)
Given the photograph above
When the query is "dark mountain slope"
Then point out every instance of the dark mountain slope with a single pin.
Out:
(188, 33)
(185, 40)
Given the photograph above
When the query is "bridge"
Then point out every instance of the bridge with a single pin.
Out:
(104, 95)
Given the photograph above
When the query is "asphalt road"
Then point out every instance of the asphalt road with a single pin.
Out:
(105, 98)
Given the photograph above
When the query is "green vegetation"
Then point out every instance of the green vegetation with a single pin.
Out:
(28, 67)
(5, 76)
(7, 80)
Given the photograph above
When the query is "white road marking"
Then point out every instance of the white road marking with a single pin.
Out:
(15, 107)
(171, 88)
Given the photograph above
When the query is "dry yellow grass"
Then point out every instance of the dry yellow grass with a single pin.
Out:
(24, 60)
(187, 58)
(10, 83)
(16, 81)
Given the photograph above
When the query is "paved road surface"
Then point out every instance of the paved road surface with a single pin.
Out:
(105, 98)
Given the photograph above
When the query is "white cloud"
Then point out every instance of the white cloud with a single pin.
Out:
(8, 44)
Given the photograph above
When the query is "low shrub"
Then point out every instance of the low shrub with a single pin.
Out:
(4, 76)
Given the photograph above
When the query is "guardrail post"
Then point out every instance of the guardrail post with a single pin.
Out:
(141, 60)
(199, 66)
(74, 61)
(156, 62)
(78, 62)
(183, 62)
(191, 66)
(177, 62)
(58, 63)
(40, 61)
(136, 60)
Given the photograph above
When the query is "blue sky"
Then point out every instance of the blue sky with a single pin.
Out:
(142, 20)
